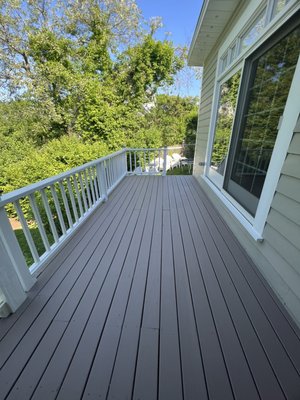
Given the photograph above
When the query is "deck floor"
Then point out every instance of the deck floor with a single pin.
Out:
(153, 298)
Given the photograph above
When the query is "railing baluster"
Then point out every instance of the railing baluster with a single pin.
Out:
(78, 195)
(111, 177)
(104, 170)
(159, 157)
(135, 160)
(49, 215)
(74, 208)
(102, 179)
(118, 166)
(140, 162)
(148, 162)
(144, 161)
(58, 210)
(82, 192)
(66, 204)
(87, 185)
(26, 231)
(165, 162)
(92, 185)
(95, 181)
(113, 170)
(125, 164)
(39, 221)
(130, 161)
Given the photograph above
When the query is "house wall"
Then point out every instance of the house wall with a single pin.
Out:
(207, 92)
(278, 255)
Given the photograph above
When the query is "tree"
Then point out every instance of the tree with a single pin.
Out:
(170, 117)
(55, 53)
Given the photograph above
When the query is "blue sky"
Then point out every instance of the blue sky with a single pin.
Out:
(179, 18)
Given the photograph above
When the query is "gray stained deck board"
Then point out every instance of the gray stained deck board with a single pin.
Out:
(153, 298)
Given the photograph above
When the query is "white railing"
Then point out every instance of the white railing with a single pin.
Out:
(154, 161)
(52, 209)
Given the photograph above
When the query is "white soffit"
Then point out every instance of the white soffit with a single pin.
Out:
(213, 18)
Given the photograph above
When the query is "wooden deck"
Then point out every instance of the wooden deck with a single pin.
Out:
(152, 299)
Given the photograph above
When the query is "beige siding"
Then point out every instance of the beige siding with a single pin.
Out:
(295, 144)
(209, 75)
(288, 207)
(282, 231)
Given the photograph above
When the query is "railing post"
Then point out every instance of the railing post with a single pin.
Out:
(102, 180)
(165, 161)
(16, 278)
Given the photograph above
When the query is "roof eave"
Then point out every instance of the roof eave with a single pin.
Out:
(212, 20)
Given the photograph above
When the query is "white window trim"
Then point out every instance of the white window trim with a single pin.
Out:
(213, 121)
(284, 137)
(255, 226)
(271, 25)
(233, 207)
(254, 9)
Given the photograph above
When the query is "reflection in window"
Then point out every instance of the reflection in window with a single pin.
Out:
(253, 32)
(272, 76)
(278, 6)
(226, 111)
(232, 53)
(225, 61)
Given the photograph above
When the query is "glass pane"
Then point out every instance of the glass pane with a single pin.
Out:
(267, 97)
(225, 59)
(278, 6)
(232, 53)
(253, 32)
(226, 111)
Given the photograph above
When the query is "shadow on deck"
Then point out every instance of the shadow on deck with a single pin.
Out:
(153, 298)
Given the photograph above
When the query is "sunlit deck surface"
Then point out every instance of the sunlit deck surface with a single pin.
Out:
(153, 298)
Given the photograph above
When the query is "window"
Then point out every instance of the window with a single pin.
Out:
(224, 61)
(232, 53)
(278, 6)
(253, 31)
(267, 82)
(225, 117)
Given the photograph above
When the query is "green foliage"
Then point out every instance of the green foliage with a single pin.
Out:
(55, 157)
(24, 245)
(190, 134)
(226, 111)
(88, 65)
(172, 117)
(184, 170)
(145, 67)
(75, 81)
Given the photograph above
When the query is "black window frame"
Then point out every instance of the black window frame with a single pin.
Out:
(248, 76)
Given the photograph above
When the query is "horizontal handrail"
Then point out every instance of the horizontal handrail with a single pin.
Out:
(158, 148)
(26, 190)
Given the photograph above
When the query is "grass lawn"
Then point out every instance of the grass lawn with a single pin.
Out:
(37, 241)
(184, 170)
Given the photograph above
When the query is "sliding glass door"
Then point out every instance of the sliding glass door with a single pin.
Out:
(265, 87)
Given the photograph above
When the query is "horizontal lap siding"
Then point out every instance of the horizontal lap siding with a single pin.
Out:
(207, 92)
(282, 231)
